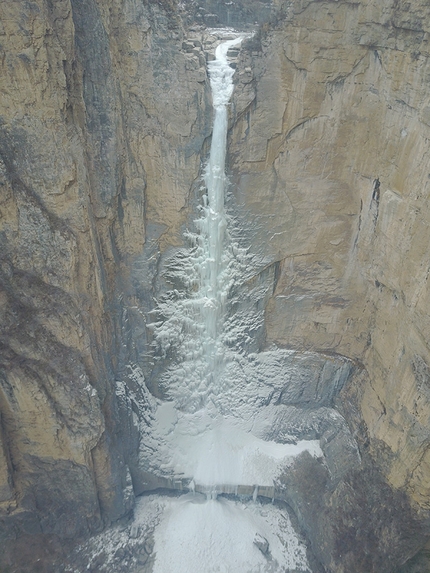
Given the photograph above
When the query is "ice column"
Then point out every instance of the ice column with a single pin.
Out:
(214, 274)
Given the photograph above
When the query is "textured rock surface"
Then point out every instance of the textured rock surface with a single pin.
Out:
(238, 14)
(359, 524)
(329, 152)
(95, 147)
(105, 116)
(56, 337)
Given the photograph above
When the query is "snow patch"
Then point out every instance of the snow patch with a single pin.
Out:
(218, 536)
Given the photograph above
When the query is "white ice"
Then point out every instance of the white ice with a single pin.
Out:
(210, 432)
(212, 449)
(195, 536)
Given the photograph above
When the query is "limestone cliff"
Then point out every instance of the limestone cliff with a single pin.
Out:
(330, 157)
(102, 122)
(105, 116)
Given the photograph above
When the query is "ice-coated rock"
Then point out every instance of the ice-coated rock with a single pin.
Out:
(262, 544)
(134, 531)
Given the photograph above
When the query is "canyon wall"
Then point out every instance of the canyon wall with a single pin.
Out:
(105, 117)
(330, 163)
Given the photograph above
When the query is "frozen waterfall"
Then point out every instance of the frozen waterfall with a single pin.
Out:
(209, 437)
(213, 224)
(230, 423)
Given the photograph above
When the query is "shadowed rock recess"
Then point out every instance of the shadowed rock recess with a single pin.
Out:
(105, 128)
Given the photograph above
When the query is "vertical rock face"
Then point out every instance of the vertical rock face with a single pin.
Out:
(104, 119)
(102, 124)
(330, 164)
(239, 13)
(55, 334)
